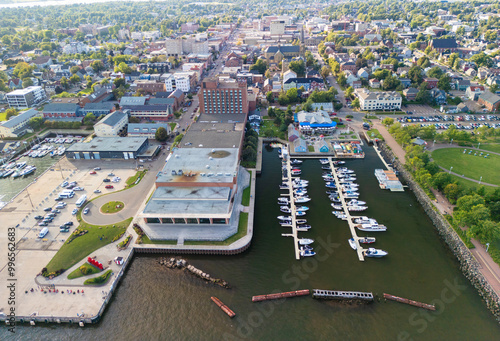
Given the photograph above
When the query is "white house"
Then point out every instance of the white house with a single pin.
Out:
(363, 73)
(146, 129)
(379, 100)
(289, 74)
(111, 124)
(350, 77)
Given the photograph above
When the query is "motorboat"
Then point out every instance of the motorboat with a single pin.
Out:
(325, 167)
(21, 165)
(352, 243)
(339, 162)
(375, 253)
(300, 191)
(367, 240)
(336, 200)
(344, 170)
(16, 174)
(332, 192)
(355, 202)
(301, 221)
(296, 172)
(353, 195)
(347, 180)
(305, 247)
(284, 217)
(304, 227)
(8, 173)
(330, 185)
(29, 170)
(284, 186)
(307, 253)
(298, 180)
(327, 175)
(324, 161)
(283, 200)
(295, 162)
(302, 208)
(300, 213)
(305, 241)
(286, 223)
(285, 209)
(300, 200)
(336, 206)
(365, 220)
(357, 208)
(340, 215)
(371, 228)
(329, 178)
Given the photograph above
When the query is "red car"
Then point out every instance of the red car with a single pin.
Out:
(109, 186)
(348, 119)
(93, 172)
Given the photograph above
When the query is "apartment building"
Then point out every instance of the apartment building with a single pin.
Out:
(379, 100)
(25, 98)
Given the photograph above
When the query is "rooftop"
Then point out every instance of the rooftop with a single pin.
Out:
(132, 101)
(112, 119)
(14, 120)
(109, 144)
(24, 91)
(205, 165)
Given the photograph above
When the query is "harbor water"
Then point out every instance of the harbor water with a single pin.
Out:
(156, 303)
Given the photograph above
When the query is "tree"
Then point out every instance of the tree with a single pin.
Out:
(292, 95)
(27, 82)
(325, 71)
(283, 98)
(89, 119)
(440, 180)
(64, 82)
(415, 74)
(260, 65)
(74, 79)
(355, 103)
(119, 82)
(435, 72)
(349, 91)
(74, 69)
(97, 65)
(342, 80)
(161, 134)
(298, 66)
(10, 112)
(423, 62)
(444, 83)
(35, 123)
(269, 97)
(451, 191)
(388, 121)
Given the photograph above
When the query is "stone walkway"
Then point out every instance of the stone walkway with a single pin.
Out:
(391, 142)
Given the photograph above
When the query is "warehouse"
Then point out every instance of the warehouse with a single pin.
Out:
(108, 148)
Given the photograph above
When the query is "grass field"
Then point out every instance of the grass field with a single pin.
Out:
(77, 273)
(146, 240)
(111, 207)
(3, 116)
(245, 200)
(97, 237)
(131, 180)
(492, 147)
(470, 166)
(242, 231)
(374, 133)
(99, 280)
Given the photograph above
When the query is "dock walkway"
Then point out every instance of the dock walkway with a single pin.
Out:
(359, 249)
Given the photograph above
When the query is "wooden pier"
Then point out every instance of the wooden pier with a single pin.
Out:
(410, 302)
(352, 226)
(342, 295)
(293, 210)
(260, 298)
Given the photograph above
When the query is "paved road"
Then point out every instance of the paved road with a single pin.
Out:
(132, 198)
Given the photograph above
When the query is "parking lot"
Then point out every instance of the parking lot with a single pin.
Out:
(421, 109)
(443, 122)
(82, 177)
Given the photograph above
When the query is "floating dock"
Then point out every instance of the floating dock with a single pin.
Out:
(260, 298)
(342, 295)
(224, 307)
(410, 302)
(352, 227)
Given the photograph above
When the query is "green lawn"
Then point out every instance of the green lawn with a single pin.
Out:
(3, 116)
(492, 147)
(245, 200)
(77, 273)
(242, 231)
(374, 133)
(131, 180)
(146, 240)
(99, 279)
(81, 247)
(470, 166)
(310, 148)
(111, 207)
(172, 126)
(470, 184)
(268, 124)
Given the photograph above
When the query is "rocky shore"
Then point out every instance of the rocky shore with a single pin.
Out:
(180, 263)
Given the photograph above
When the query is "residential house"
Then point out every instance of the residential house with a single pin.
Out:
(18, 125)
(178, 96)
(471, 72)
(15, 83)
(307, 83)
(379, 100)
(482, 73)
(444, 45)
(462, 84)
(152, 113)
(357, 84)
(438, 96)
(42, 61)
(490, 101)
(363, 73)
(351, 66)
(462, 107)
(374, 83)
(111, 125)
(410, 94)
(350, 77)
(474, 91)
(493, 80)
(289, 74)
(431, 82)
(98, 109)
(146, 129)
(293, 133)
(299, 146)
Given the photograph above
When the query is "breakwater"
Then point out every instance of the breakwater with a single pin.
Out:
(174, 263)
(468, 264)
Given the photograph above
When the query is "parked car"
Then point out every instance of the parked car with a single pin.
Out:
(75, 211)
(111, 174)
(92, 173)
(97, 191)
(86, 210)
(59, 199)
(56, 211)
(109, 186)
(43, 224)
(47, 209)
(78, 189)
(38, 217)
(97, 168)
(106, 180)
(68, 223)
(64, 184)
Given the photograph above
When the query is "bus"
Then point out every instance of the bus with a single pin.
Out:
(81, 201)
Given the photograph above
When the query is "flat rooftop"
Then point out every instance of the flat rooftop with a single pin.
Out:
(109, 144)
(207, 165)
(214, 135)
(189, 202)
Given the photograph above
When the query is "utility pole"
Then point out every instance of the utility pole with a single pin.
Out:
(29, 197)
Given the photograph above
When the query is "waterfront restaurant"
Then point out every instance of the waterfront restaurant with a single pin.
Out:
(316, 122)
(196, 186)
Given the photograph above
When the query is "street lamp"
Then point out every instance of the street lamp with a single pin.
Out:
(451, 169)
(487, 246)
(478, 145)
(451, 141)
(480, 178)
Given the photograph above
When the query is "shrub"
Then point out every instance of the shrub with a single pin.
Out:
(99, 279)
(84, 270)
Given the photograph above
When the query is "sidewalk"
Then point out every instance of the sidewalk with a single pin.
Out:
(391, 142)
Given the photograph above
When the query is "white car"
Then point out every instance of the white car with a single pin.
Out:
(61, 205)
(64, 184)
(75, 211)
(86, 210)
(78, 189)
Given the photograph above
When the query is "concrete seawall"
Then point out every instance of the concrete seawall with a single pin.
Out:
(468, 263)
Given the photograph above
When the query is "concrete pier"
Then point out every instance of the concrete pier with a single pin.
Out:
(293, 209)
(359, 249)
